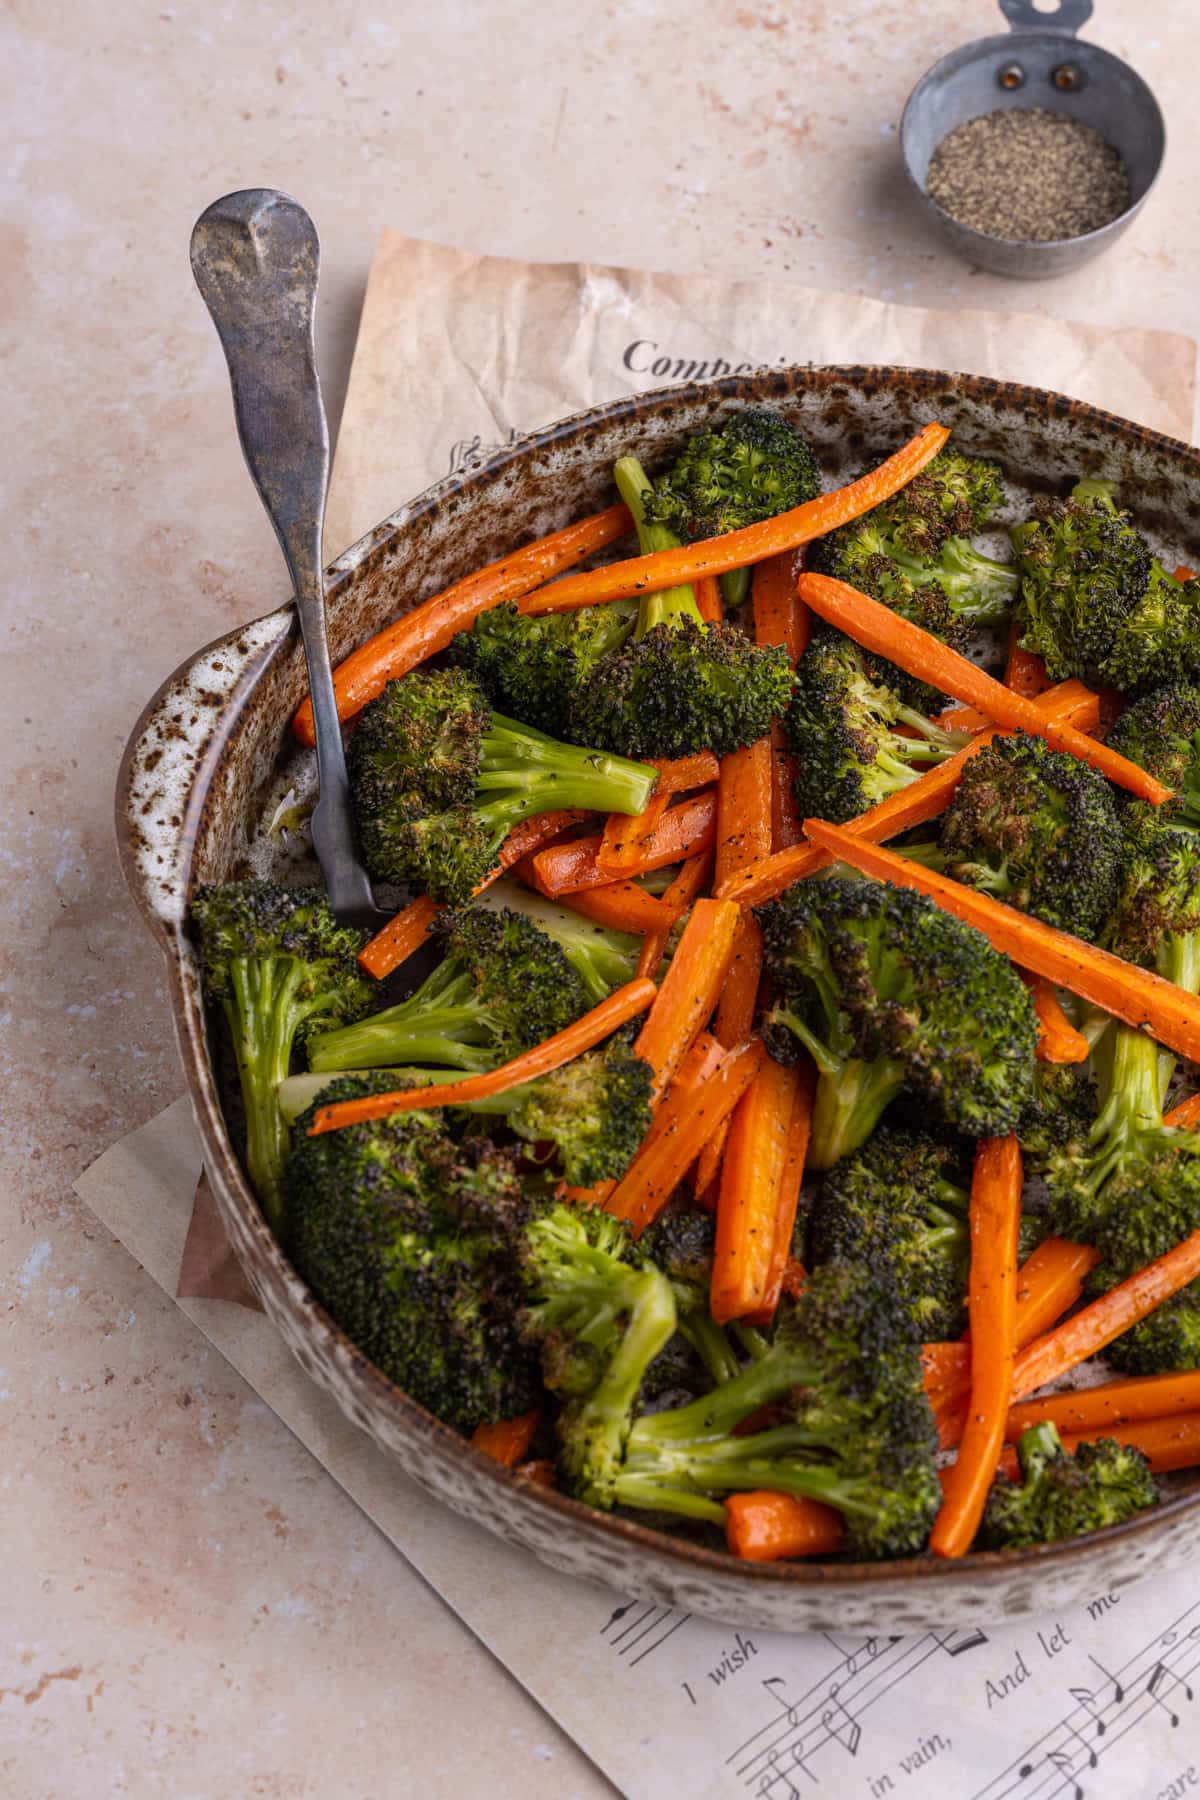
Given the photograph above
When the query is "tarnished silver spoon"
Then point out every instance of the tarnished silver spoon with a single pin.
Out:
(255, 256)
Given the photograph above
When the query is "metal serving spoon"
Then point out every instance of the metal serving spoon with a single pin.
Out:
(255, 256)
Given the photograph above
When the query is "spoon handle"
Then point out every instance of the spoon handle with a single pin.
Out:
(255, 256)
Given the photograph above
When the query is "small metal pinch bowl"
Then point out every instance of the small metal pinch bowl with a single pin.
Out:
(1039, 63)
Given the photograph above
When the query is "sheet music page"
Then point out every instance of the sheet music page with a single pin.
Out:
(458, 355)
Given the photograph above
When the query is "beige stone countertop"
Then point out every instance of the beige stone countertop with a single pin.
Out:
(188, 1605)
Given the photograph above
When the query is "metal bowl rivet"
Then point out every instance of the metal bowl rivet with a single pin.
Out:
(1067, 77)
(1012, 75)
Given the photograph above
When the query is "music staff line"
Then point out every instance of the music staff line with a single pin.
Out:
(1058, 1760)
(658, 1623)
(831, 1709)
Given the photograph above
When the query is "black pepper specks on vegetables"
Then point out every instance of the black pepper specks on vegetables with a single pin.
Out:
(1028, 175)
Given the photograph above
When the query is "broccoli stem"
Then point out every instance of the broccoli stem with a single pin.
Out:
(443, 1022)
(602, 958)
(735, 586)
(1133, 1104)
(709, 1342)
(537, 774)
(1036, 1446)
(597, 1425)
(264, 1016)
(675, 603)
(849, 1105)
(659, 1474)
(980, 588)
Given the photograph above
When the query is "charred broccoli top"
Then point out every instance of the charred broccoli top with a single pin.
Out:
(885, 989)
(1061, 1495)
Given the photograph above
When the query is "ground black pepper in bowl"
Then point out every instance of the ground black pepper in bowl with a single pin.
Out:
(1028, 175)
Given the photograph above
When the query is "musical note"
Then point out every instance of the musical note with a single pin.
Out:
(1158, 1674)
(617, 1615)
(1078, 1735)
(1059, 1759)
(956, 1642)
(836, 1718)
(1118, 1690)
(1084, 1697)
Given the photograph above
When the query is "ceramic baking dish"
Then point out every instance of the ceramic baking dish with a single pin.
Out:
(212, 756)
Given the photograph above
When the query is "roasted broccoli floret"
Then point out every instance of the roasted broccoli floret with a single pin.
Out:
(751, 467)
(841, 725)
(536, 666)
(1095, 602)
(599, 1313)
(414, 1243)
(885, 990)
(901, 1200)
(439, 780)
(1037, 829)
(1061, 1495)
(844, 1369)
(1132, 1185)
(1161, 733)
(511, 976)
(678, 685)
(910, 552)
(282, 968)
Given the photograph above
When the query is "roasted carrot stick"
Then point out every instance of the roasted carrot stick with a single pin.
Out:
(623, 1004)
(788, 1198)
(399, 938)
(1171, 1443)
(508, 1441)
(751, 1179)
(429, 627)
(702, 1060)
(685, 1001)
(709, 603)
(786, 826)
(743, 809)
(1112, 1403)
(625, 835)
(1186, 1114)
(780, 616)
(765, 1527)
(995, 1215)
(928, 796)
(1024, 671)
(1059, 1041)
(532, 835)
(1183, 573)
(658, 1168)
(692, 877)
(1138, 996)
(1049, 1282)
(886, 633)
(597, 1195)
(686, 829)
(620, 904)
(738, 549)
(1089, 1331)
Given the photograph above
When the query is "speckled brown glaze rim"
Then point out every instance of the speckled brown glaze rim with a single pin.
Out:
(627, 1553)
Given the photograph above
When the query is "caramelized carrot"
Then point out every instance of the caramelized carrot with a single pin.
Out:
(1087, 1333)
(1112, 1403)
(399, 938)
(1024, 671)
(508, 1441)
(623, 1004)
(995, 1215)
(780, 616)
(784, 1266)
(709, 603)
(659, 1167)
(686, 829)
(1058, 1042)
(887, 633)
(429, 627)
(738, 549)
(622, 905)
(625, 835)
(766, 1527)
(1136, 995)
(691, 878)
(751, 1179)
(685, 1001)
(1186, 1114)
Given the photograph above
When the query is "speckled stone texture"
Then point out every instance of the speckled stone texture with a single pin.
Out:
(161, 1631)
